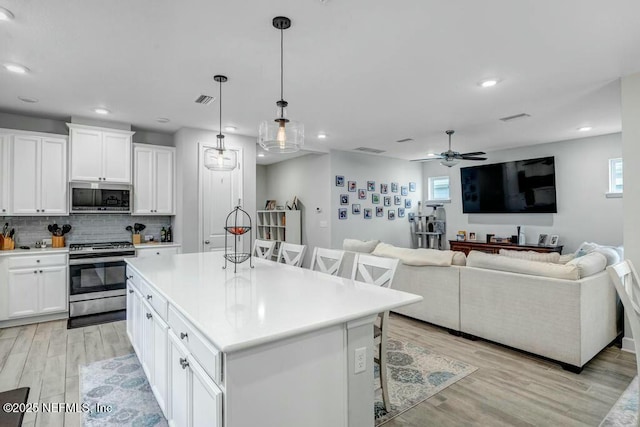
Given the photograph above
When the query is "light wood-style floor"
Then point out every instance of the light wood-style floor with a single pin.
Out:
(47, 356)
(510, 388)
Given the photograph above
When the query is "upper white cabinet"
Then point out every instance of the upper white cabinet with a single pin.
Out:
(99, 154)
(38, 184)
(4, 173)
(153, 180)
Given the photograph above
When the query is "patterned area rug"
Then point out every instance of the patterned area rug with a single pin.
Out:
(625, 411)
(414, 375)
(118, 394)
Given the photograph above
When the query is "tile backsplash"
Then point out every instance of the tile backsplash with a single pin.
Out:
(85, 228)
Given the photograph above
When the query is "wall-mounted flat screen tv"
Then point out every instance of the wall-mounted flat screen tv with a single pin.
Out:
(522, 186)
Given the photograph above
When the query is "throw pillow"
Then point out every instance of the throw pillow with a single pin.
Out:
(585, 248)
(589, 264)
(355, 245)
(532, 255)
(515, 265)
(610, 253)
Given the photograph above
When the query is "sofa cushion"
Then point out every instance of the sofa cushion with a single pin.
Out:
(355, 245)
(589, 264)
(532, 255)
(416, 256)
(459, 258)
(566, 258)
(515, 265)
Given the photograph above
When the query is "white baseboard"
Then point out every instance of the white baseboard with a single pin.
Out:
(628, 345)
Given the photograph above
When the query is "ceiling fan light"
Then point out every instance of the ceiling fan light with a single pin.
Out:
(450, 162)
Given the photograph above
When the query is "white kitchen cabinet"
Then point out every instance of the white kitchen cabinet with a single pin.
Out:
(130, 309)
(99, 154)
(159, 370)
(37, 285)
(153, 180)
(38, 183)
(147, 341)
(5, 141)
(194, 399)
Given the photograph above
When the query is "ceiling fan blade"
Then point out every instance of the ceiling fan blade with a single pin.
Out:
(438, 157)
(465, 157)
(475, 153)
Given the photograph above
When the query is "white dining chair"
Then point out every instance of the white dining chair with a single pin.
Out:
(291, 254)
(378, 271)
(263, 248)
(327, 261)
(625, 278)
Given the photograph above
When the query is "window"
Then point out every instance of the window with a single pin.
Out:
(615, 176)
(439, 188)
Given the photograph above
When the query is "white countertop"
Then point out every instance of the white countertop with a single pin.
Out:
(157, 245)
(267, 303)
(35, 251)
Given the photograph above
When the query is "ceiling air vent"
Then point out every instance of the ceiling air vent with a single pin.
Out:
(405, 140)
(368, 150)
(205, 99)
(516, 117)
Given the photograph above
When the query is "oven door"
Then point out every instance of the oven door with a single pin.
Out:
(96, 275)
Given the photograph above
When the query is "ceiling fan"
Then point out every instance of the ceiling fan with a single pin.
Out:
(450, 158)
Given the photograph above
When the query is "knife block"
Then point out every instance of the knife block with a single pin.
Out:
(7, 244)
(57, 241)
(136, 239)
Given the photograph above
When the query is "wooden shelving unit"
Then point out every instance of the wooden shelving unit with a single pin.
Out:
(279, 225)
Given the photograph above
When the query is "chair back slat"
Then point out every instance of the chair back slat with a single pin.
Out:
(374, 270)
(263, 248)
(292, 254)
(327, 260)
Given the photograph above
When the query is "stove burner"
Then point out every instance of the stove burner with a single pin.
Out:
(100, 246)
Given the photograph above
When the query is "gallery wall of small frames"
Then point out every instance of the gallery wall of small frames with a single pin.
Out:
(371, 199)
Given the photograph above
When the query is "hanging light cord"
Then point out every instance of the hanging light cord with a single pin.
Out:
(220, 140)
(281, 64)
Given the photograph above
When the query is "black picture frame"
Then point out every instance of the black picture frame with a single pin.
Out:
(342, 213)
(344, 199)
(339, 181)
(367, 213)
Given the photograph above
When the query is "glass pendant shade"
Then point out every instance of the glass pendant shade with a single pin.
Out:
(281, 135)
(449, 162)
(219, 159)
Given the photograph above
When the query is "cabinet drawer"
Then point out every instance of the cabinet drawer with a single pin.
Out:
(151, 252)
(157, 301)
(205, 353)
(135, 278)
(37, 261)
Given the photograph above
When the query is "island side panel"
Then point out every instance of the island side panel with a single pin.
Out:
(299, 381)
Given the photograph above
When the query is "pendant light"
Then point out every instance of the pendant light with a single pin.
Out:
(220, 159)
(281, 135)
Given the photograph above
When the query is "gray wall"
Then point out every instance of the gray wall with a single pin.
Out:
(85, 228)
(33, 124)
(305, 177)
(187, 210)
(582, 179)
(261, 185)
(362, 168)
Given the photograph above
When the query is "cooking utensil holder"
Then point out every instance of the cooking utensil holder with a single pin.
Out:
(57, 241)
(136, 239)
(7, 243)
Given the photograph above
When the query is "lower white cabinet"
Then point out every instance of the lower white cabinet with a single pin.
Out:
(157, 251)
(194, 399)
(36, 290)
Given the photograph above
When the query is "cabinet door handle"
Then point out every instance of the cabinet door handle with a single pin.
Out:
(4, 210)
(129, 277)
(149, 316)
(41, 210)
(35, 271)
(157, 253)
(40, 271)
(149, 297)
(37, 260)
(183, 335)
(184, 363)
(206, 242)
(130, 291)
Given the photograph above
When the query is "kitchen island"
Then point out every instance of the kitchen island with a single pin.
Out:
(272, 345)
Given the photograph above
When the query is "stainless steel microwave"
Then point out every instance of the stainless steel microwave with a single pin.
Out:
(100, 198)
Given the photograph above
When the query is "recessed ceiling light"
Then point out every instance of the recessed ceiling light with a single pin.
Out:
(322, 135)
(430, 155)
(585, 128)
(5, 15)
(15, 68)
(27, 99)
(101, 111)
(162, 120)
(488, 83)
(230, 128)
(260, 155)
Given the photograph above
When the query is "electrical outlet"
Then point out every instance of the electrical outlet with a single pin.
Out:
(360, 360)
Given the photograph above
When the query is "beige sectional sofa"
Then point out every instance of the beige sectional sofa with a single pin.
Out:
(569, 319)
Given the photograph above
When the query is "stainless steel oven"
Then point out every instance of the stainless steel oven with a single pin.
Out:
(100, 198)
(97, 274)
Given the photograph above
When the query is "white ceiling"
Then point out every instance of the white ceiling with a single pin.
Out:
(366, 72)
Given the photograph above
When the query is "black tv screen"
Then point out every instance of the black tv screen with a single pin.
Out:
(522, 186)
